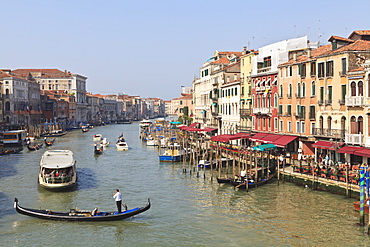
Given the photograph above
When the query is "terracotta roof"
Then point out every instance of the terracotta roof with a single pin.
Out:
(359, 32)
(229, 53)
(7, 75)
(358, 69)
(314, 53)
(45, 73)
(358, 45)
(221, 60)
(340, 38)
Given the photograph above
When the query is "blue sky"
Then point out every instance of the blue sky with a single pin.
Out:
(152, 48)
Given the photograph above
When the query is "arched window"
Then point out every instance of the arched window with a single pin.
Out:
(343, 126)
(321, 125)
(298, 90)
(258, 101)
(360, 125)
(281, 91)
(7, 106)
(360, 88)
(313, 89)
(7, 91)
(353, 125)
(303, 89)
(290, 91)
(276, 101)
(329, 124)
(353, 88)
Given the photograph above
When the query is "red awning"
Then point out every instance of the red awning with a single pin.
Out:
(349, 149)
(270, 138)
(193, 125)
(242, 135)
(324, 145)
(257, 137)
(207, 129)
(365, 152)
(284, 140)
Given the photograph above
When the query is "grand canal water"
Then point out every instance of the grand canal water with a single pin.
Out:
(186, 210)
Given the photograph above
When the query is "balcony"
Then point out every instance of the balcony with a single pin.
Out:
(264, 70)
(245, 112)
(328, 102)
(337, 133)
(341, 101)
(355, 101)
(261, 111)
(320, 102)
(354, 139)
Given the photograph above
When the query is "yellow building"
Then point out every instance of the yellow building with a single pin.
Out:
(246, 90)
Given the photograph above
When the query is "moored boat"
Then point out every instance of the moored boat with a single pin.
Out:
(80, 215)
(173, 153)
(54, 133)
(251, 183)
(57, 170)
(357, 206)
(206, 164)
(145, 123)
(10, 151)
(85, 129)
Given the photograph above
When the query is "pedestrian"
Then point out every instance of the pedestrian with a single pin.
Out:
(118, 198)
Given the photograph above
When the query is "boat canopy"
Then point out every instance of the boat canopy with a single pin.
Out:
(264, 147)
(54, 159)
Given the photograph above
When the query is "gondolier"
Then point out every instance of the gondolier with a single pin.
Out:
(118, 198)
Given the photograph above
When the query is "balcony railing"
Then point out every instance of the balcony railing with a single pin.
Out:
(355, 101)
(354, 139)
(264, 70)
(337, 133)
(341, 101)
(261, 110)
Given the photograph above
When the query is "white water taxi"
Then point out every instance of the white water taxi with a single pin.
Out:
(97, 137)
(121, 144)
(57, 170)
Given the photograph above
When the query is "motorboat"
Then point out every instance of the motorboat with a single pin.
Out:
(85, 129)
(121, 144)
(206, 164)
(173, 153)
(57, 170)
(145, 123)
(97, 137)
(80, 215)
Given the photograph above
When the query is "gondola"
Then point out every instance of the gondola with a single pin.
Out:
(34, 147)
(98, 149)
(243, 184)
(80, 215)
(223, 180)
(10, 151)
(49, 143)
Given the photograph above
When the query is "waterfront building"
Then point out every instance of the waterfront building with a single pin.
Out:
(297, 92)
(93, 112)
(21, 100)
(206, 89)
(246, 90)
(182, 106)
(230, 98)
(265, 82)
(54, 79)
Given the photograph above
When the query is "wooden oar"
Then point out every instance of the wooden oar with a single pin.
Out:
(240, 185)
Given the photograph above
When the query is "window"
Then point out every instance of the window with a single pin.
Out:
(330, 93)
(344, 89)
(181, 101)
(281, 126)
(267, 61)
(313, 89)
(276, 101)
(236, 91)
(321, 69)
(290, 91)
(321, 93)
(353, 88)
(344, 66)
(313, 127)
(360, 88)
(289, 126)
(303, 70)
(312, 112)
(299, 90)
(289, 110)
(280, 109)
(290, 71)
(298, 127)
(329, 68)
(313, 69)
(281, 91)
(303, 127)
(275, 124)
(303, 112)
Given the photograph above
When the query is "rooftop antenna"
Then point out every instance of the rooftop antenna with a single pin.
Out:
(319, 31)
(295, 31)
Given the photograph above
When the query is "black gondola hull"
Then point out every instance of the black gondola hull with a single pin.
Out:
(60, 216)
(243, 185)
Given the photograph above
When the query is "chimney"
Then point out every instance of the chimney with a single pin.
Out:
(309, 53)
(295, 57)
(244, 50)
